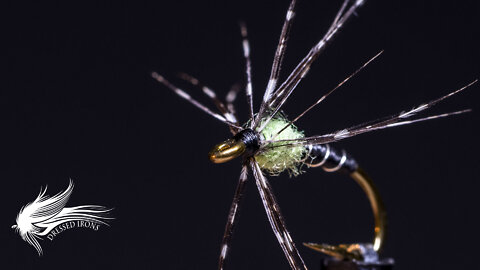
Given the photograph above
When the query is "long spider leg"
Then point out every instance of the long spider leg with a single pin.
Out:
(283, 92)
(188, 98)
(231, 97)
(279, 53)
(234, 209)
(392, 121)
(208, 92)
(213, 96)
(345, 133)
(338, 16)
(248, 64)
(276, 220)
(327, 94)
(267, 204)
(425, 118)
(304, 66)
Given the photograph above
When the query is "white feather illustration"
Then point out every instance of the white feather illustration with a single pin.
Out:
(38, 218)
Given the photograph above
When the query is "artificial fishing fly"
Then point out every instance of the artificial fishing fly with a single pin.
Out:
(269, 142)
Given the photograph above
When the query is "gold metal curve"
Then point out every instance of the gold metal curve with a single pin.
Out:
(376, 203)
(226, 151)
(355, 251)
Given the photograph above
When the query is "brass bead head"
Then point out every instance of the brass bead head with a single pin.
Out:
(226, 151)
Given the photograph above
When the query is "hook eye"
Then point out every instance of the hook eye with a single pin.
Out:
(226, 151)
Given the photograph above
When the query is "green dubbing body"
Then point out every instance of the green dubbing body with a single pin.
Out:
(278, 159)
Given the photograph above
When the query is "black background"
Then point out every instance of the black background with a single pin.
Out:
(77, 102)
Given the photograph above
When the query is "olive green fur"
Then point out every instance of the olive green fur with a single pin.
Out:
(278, 159)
